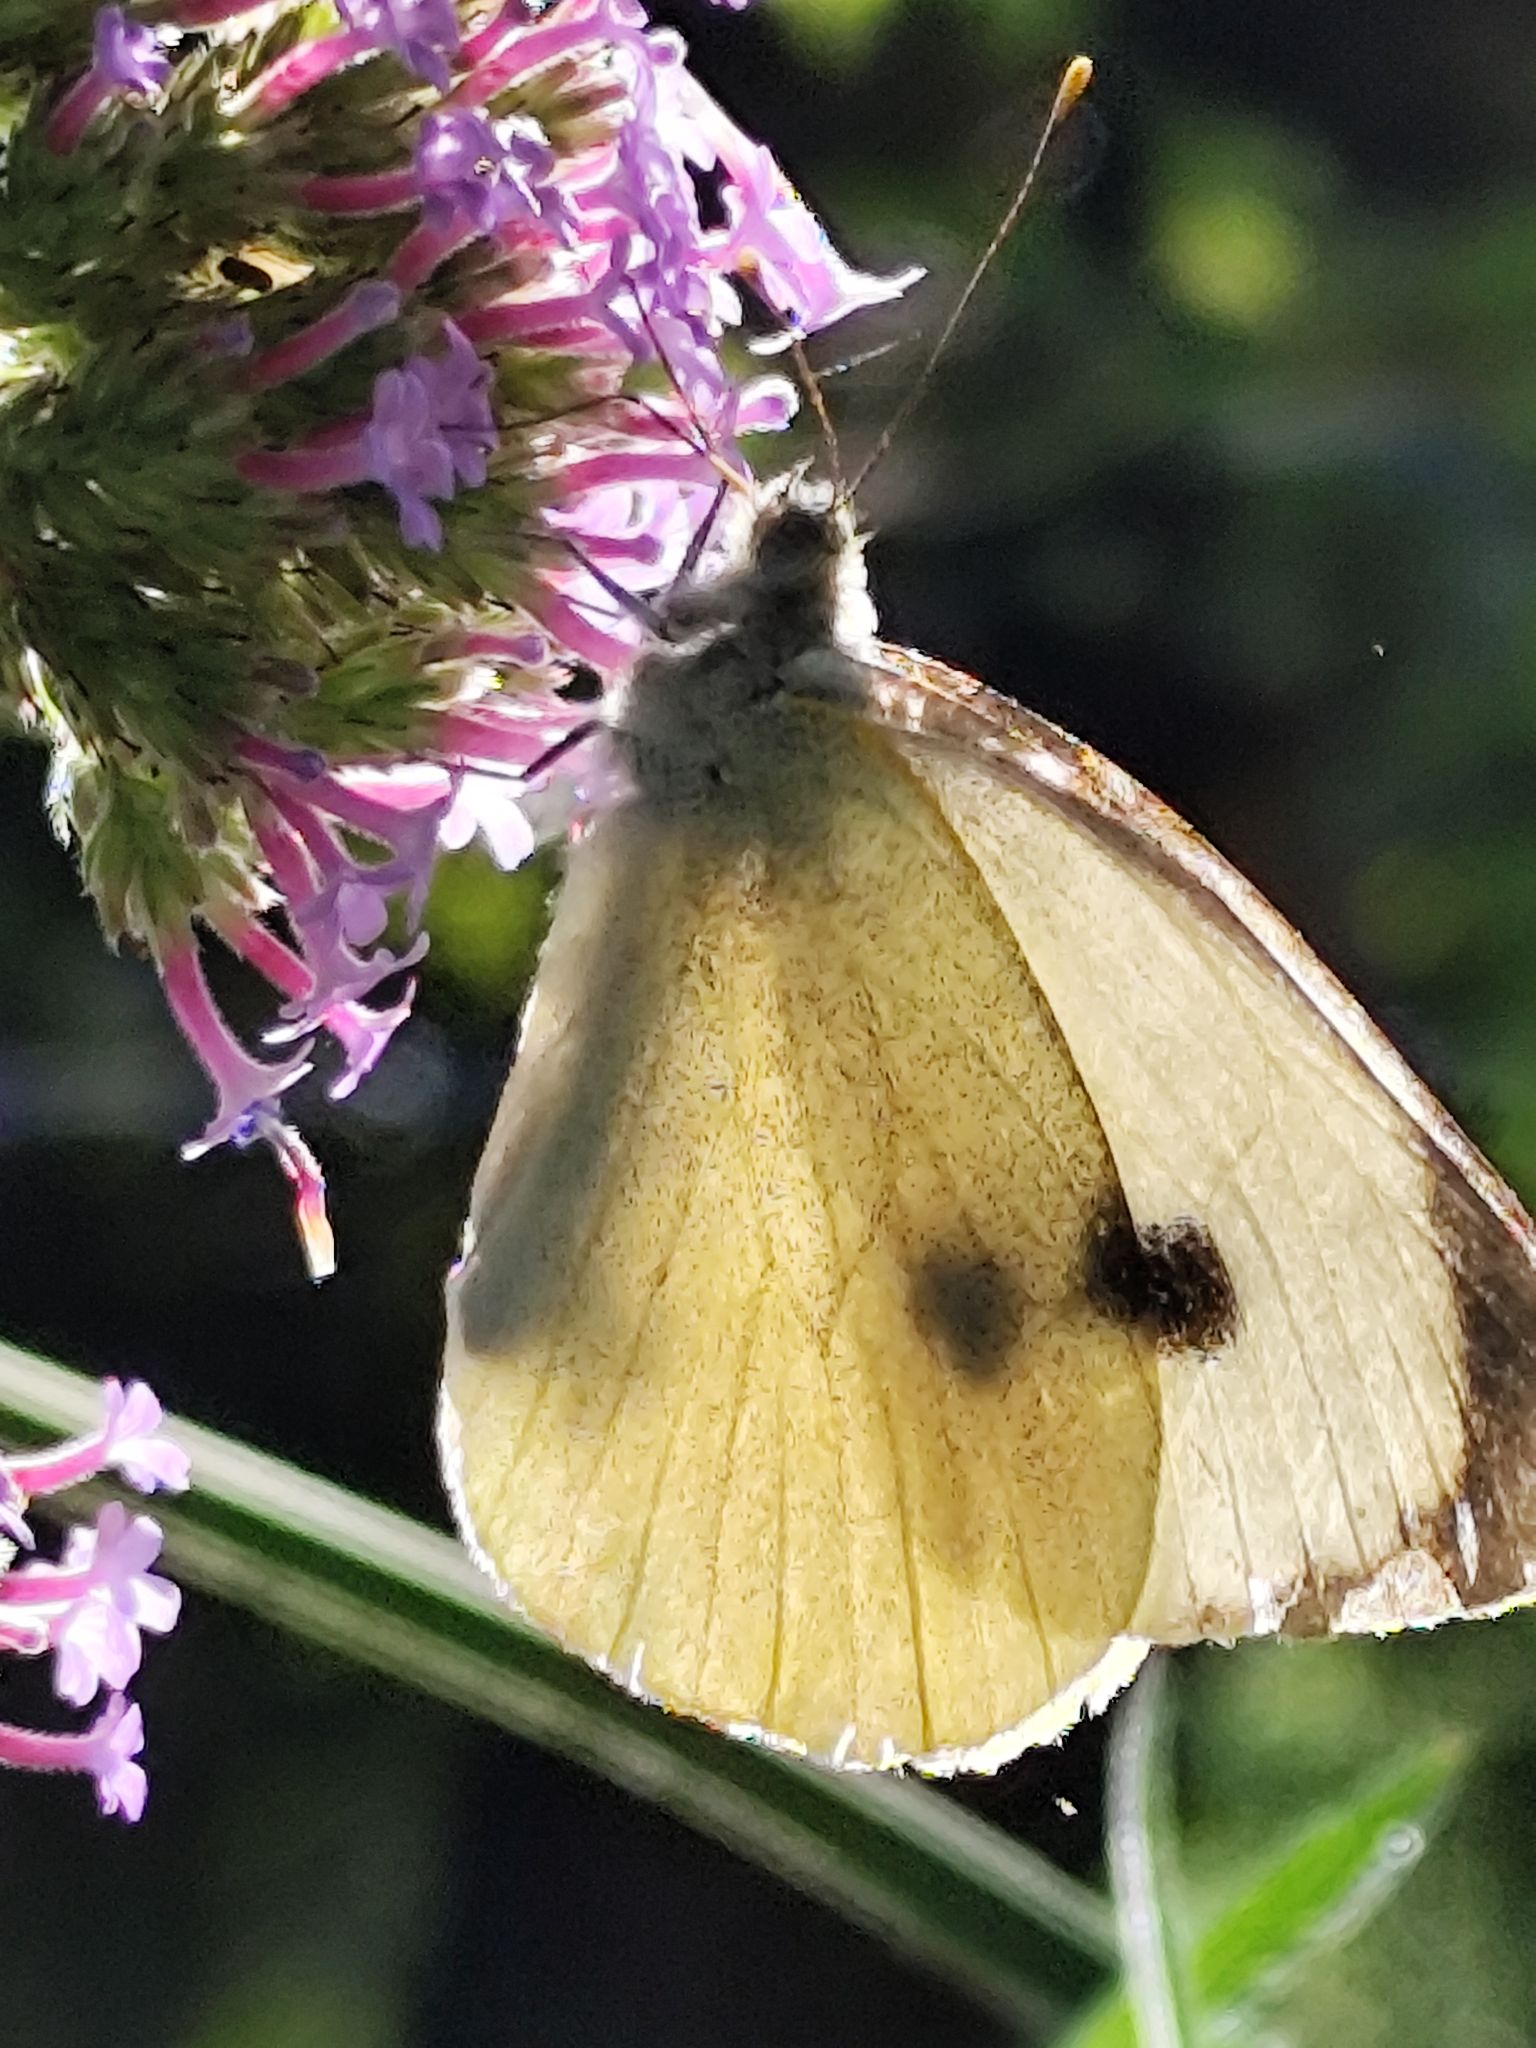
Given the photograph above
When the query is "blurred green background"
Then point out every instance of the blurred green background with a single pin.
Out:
(1234, 473)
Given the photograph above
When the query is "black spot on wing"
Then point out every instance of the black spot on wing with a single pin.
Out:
(1168, 1277)
(970, 1308)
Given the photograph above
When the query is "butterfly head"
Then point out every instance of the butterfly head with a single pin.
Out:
(800, 537)
(790, 620)
(794, 582)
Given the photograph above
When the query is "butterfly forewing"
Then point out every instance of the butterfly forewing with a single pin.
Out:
(1356, 1453)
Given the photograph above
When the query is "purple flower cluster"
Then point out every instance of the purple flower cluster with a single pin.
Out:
(584, 243)
(89, 1609)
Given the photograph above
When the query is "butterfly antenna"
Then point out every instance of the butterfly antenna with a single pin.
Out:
(813, 391)
(1074, 83)
(845, 364)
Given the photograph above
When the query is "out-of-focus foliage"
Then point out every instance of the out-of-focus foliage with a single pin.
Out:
(1283, 1918)
(1234, 472)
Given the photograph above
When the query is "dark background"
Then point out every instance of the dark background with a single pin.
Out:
(1231, 473)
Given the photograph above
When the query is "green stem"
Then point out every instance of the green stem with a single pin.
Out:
(1136, 1840)
(403, 1600)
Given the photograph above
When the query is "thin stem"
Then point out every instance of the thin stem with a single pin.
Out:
(1135, 1797)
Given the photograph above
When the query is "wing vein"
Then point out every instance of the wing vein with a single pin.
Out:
(945, 1167)
(1304, 1211)
(663, 1461)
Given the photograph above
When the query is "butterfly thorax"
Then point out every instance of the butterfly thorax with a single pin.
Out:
(719, 701)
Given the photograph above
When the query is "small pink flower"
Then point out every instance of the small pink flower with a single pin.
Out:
(422, 33)
(96, 1639)
(95, 1600)
(111, 1744)
(430, 432)
(240, 1080)
(127, 1442)
(91, 1607)
(427, 435)
(127, 53)
(486, 805)
(133, 1447)
(469, 169)
(106, 1751)
(302, 1172)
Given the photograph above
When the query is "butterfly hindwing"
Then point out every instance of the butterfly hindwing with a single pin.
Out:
(776, 1382)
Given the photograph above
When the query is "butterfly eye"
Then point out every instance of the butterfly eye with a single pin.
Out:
(795, 541)
(800, 533)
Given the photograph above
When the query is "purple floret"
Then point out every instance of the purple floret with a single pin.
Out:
(431, 430)
(422, 33)
(487, 175)
(126, 55)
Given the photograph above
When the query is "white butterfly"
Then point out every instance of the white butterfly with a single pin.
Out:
(944, 1232)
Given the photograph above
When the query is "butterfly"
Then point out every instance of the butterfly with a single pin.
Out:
(944, 1233)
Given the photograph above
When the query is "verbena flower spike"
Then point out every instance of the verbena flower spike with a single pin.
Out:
(89, 1609)
(358, 367)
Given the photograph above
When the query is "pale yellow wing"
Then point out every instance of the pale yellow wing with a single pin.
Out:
(773, 1384)
(1360, 1451)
